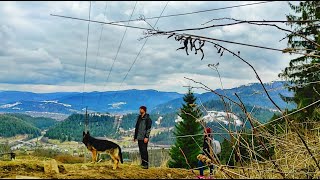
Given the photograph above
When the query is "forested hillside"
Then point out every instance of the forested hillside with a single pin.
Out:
(71, 129)
(12, 126)
(105, 125)
(39, 122)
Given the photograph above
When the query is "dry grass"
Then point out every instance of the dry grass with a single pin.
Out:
(164, 163)
(290, 155)
(293, 156)
(33, 166)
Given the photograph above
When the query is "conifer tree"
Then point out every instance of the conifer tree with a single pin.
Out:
(188, 126)
(303, 71)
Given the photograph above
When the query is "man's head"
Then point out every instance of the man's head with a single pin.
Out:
(143, 109)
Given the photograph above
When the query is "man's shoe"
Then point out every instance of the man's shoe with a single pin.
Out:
(145, 167)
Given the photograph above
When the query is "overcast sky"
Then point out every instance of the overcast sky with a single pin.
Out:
(42, 53)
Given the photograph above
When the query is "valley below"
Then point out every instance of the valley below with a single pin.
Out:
(45, 127)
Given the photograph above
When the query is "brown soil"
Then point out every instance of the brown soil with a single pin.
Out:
(33, 168)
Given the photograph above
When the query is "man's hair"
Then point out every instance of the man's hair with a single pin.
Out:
(144, 108)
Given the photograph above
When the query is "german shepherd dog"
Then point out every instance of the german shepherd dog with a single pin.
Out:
(100, 146)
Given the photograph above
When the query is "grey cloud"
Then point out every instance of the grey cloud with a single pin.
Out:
(40, 49)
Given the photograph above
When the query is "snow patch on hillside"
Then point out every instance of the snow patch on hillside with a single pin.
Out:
(275, 110)
(222, 117)
(10, 105)
(56, 102)
(117, 105)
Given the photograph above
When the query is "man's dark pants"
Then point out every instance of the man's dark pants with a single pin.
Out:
(143, 152)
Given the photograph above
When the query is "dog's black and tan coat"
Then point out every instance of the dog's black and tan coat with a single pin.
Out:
(103, 146)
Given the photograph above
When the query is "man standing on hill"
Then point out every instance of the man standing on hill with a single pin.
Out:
(142, 133)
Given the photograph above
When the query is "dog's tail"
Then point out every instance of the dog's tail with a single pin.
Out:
(120, 154)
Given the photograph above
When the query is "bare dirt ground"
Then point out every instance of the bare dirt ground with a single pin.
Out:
(33, 167)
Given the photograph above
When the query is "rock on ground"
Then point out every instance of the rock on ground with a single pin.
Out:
(51, 166)
(27, 177)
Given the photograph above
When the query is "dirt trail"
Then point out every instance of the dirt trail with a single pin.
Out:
(35, 168)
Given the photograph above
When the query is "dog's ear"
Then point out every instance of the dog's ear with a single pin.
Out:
(88, 133)
(83, 133)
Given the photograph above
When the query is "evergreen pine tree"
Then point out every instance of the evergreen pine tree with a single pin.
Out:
(304, 70)
(188, 126)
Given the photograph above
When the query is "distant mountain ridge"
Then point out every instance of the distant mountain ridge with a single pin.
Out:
(251, 94)
(130, 100)
(68, 103)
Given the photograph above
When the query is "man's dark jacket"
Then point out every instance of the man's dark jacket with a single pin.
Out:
(143, 127)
